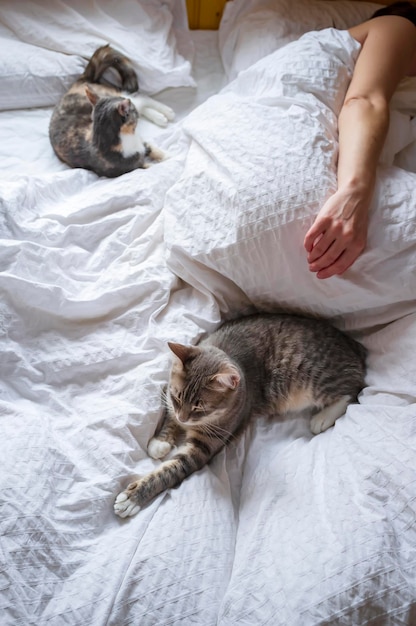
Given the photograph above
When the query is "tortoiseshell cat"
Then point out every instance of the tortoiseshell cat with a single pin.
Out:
(94, 126)
(261, 364)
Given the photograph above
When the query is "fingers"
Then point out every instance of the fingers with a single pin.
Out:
(321, 237)
(339, 267)
(336, 265)
(335, 247)
(325, 250)
(328, 244)
(314, 235)
(339, 233)
(329, 257)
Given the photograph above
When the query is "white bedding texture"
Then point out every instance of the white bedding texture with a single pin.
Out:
(96, 275)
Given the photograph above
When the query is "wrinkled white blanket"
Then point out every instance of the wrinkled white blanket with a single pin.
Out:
(96, 275)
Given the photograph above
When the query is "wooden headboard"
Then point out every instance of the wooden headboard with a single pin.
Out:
(206, 14)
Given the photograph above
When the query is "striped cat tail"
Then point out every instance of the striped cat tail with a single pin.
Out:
(107, 66)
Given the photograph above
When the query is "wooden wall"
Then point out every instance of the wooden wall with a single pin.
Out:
(206, 14)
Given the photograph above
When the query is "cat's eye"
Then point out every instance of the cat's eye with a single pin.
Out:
(175, 400)
(198, 408)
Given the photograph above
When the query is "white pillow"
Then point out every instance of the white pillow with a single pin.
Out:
(47, 43)
(251, 29)
(34, 77)
(262, 160)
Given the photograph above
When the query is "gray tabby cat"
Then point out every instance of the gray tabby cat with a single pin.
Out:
(262, 364)
(94, 126)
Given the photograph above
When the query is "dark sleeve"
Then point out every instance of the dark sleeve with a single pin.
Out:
(403, 9)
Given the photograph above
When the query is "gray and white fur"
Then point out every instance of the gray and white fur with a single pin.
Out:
(263, 364)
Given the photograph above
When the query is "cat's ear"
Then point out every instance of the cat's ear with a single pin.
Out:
(184, 353)
(91, 95)
(124, 107)
(227, 378)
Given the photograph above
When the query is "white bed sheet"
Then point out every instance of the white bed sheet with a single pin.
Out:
(84, 281)
(281, 528)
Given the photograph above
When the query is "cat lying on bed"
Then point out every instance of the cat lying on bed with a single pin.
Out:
(94, 126)
(257, 365)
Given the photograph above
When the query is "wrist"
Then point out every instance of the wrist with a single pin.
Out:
(359, 186)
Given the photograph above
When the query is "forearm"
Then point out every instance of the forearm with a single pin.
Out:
(363, 125)
(339, 233)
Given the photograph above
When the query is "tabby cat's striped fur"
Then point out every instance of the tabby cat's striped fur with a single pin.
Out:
(257, 365)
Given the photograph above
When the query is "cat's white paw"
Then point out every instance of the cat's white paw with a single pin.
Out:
(318, 424)
(323, 420)
(155, 116)
(153, 110)
(158, 449)
(168, 112)
(155, 154)
(124, 507)
(159, 118)
(327, 417)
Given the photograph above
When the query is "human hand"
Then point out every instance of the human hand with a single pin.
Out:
(339, 233)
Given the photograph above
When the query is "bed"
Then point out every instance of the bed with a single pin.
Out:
(96, 275)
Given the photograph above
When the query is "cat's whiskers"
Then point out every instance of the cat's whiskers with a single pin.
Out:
(164, 396)
(216, 432)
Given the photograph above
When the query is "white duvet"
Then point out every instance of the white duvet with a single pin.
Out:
(96, 275)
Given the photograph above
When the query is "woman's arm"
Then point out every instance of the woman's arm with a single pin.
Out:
(339, 233)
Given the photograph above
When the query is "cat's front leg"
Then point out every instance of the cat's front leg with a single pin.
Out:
(153, 153)
(167, 435)
(325, 418)
(154, 116)
(191, 456)
(140, 492)
(153, 110)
